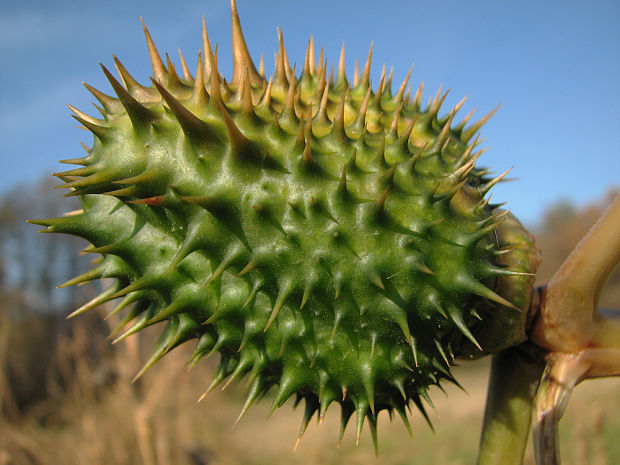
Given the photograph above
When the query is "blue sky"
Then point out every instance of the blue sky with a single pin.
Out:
(553, 65)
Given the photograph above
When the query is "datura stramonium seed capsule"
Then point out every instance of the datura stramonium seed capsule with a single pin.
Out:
(329, 240)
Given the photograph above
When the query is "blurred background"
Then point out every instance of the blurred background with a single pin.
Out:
(65, 391)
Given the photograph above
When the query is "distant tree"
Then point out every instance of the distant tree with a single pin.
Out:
(561, 228)
(32, 310)
(31, 267)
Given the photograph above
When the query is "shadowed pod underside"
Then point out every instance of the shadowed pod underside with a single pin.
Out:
(332, 240)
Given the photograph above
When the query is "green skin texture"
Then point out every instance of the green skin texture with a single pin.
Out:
(349, 260)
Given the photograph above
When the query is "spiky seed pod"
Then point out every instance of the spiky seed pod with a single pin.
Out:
(334, 243)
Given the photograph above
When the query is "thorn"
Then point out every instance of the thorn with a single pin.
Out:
(487, 187)
(403, 86)
(379, 92)
(131, 298)
(192, 126)
(463, 171)
(403, 139)
(306, 156)
(241, 55)
(173, 77)
(435, 99)
(102, 298)
(220, 374)
(146, 176)
(309, 410)
(91, 275)
(85, 117)
(457, 318)
(255, 288)
(140, 115)
(361, 410)
(74, 212)
(310, 282)
(341, 77)
(83, 171)
(247, 268)
(345, 415)
(423, 392)
(388, 177)
(483, 291)
(442, 353)
(243, 367)
(372, 424)
(253, 394)
(388, 83)
(458, 106)
(381, 152)
(394, 124)
(321, 115)
(261, 66)
(281, 73)
(375, 278)
(139, 325)
(186, 74)
(338, 127)
(418, 95)
(403, 416)
(365, 80)
(200, 97)
(381, 201)
(216, 94)
(129, 191)
(321, 68)
(352, 162)
(159, 71)
(101, 132)
(437, 102)
(207, 52)
(241, 146)
(300, 141)
(103, 112)
(311, 61)
(296, 444)
(444, 134)
(468, 133)
(360, 120)
(110, 104)
(266, 101)
(288, 114)
(337, 318)
(248, 105)
(368, 383)
(284, 292)
(342, 185)
(162, 346)
(232, 254)
(133, 86)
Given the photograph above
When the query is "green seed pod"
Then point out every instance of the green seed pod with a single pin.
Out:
(329, 240)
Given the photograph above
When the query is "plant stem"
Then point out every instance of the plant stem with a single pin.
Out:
(569, 320)
(515, 375)
(581, 340)
(562, 374)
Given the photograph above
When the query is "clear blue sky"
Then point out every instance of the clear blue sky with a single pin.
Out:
(554, 65)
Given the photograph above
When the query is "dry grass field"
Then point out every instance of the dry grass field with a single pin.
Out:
(158, 422)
